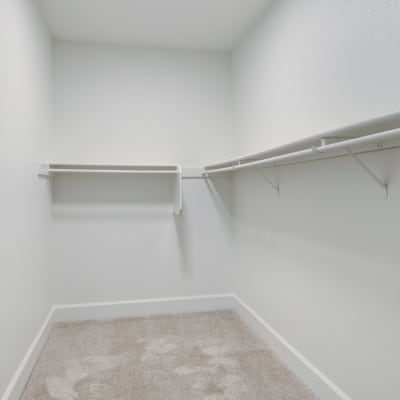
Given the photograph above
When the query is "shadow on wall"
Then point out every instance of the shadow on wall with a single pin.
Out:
(220, 188)
(101, 195)
(181, 228)
(191, 225)
(120, 213)
(132, 216)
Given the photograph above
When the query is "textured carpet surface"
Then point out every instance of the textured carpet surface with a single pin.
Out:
(206, 356)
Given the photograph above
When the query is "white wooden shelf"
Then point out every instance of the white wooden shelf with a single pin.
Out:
(51, 169)
(62, 168)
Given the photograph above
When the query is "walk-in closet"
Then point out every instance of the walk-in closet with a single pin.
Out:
(200, 199)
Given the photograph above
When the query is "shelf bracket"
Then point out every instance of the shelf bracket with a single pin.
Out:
(178, 200)
(43, 169)
(371, 174)
(273, 185)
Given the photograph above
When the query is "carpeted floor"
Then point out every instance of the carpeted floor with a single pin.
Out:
(205, 356)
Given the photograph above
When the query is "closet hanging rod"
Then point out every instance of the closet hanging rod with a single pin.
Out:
(343, 145)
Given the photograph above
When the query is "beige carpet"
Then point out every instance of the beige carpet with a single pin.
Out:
(206, 356)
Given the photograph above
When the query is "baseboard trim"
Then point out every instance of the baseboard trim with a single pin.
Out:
(322, 386)
(136, 308)
(21, 376)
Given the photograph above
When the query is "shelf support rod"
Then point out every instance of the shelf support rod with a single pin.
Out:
(371, 174)
(274, 186)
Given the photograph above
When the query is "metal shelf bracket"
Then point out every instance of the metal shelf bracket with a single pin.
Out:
(273, 185)
(371, 174)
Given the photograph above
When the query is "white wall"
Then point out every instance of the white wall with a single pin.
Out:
(313, 66)
(129, 245)
(127, 104)
(25, 78)
(117, 239)
(320, 263)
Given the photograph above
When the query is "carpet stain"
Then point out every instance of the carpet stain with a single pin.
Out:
(213, 389)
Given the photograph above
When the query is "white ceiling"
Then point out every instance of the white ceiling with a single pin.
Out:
(204, 24)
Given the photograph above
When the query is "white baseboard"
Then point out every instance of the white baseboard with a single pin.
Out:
(21, 376)
(304, 369)
(136, 308)
(319, 383)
